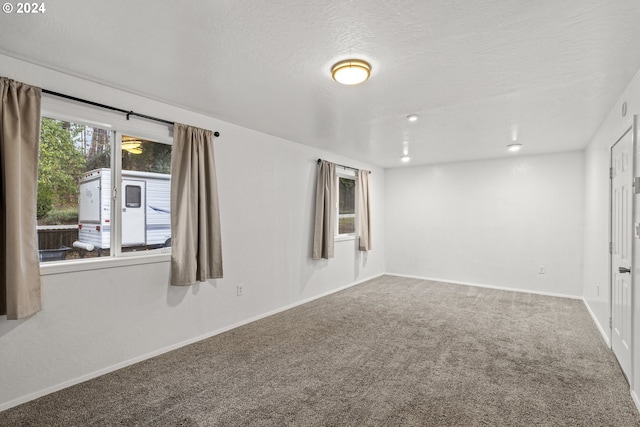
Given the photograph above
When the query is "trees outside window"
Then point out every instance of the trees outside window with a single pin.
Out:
(346, 205)
(67, 150)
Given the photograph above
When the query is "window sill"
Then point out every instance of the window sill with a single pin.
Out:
(61, 267)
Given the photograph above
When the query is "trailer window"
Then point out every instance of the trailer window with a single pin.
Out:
(133, 196)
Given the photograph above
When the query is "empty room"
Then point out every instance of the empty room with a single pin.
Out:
(328, 213)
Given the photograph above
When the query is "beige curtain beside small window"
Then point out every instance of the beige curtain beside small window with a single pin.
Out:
(364, 213)
(326, 193)
(19, 140)
(196, 246)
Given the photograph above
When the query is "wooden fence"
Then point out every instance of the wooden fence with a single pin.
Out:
(56, 236)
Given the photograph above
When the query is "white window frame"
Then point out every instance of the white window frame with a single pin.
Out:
(349, 174)
(85, 114)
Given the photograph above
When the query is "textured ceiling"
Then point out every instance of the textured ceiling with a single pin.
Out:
(477, 72)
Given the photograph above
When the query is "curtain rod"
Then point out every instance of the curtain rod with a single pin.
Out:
(343, 166)
(108, 107)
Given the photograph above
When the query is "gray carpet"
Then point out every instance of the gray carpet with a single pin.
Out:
(389, 352)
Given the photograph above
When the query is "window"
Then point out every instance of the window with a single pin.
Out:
(79, 214)
(346, 205)
(133, 196)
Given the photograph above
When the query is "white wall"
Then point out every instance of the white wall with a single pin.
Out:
(596, 232)
(93, 321)
(490, 222)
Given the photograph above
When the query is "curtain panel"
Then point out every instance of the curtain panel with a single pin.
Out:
(324, 228)
(19, 140)
(196, 244)
(364, 211)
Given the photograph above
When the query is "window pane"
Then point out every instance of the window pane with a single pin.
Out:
(145, 156)
(346, 205)
(146, 179)
(74, 190)
(347, 193)
(346, 225)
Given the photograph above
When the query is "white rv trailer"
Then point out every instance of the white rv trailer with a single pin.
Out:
(146, 216)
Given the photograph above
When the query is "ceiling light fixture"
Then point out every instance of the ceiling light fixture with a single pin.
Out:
(131, 145)
(412, 117)
(405, 158)
(351, 71)
(514, 147)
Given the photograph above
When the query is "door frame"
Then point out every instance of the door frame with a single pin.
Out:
(633, 128)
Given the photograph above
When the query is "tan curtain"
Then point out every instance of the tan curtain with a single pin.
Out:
(196, 246)
(364, 213)
(19, 139)
(326, 193)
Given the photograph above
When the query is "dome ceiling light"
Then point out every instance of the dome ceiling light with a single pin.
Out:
(514, 148)
(351, 71)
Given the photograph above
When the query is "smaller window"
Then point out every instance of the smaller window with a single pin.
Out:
(346, 206)
(133, 196)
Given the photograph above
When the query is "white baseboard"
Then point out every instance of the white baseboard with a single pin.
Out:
(31, 396)
(480, 285)
(636, 400)
(598, 325)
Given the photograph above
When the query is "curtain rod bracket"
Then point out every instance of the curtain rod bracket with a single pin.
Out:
(129, 114)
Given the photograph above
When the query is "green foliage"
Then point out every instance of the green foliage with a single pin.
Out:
(61, 164)
(45, 199)
(61, 216)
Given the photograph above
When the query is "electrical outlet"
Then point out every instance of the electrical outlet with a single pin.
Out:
(240, 290)
(541, 270)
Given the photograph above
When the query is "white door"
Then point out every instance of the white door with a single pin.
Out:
(133, 213)
(621, 240)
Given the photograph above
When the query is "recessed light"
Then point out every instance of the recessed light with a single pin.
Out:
(412, 117)
(514, 147)
(351, 71)
(405, 159)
